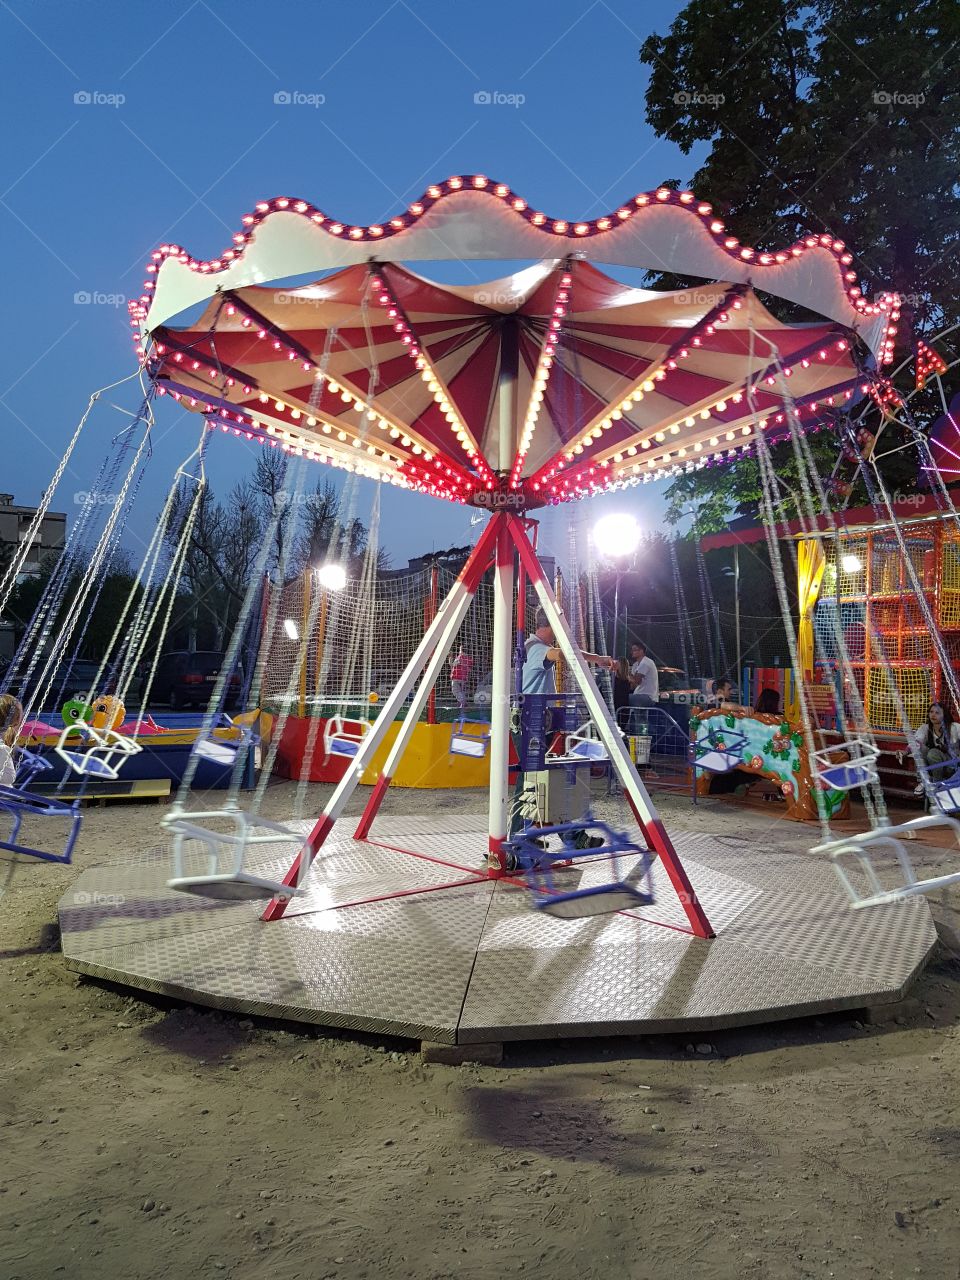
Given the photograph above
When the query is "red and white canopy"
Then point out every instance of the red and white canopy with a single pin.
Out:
(544, 385)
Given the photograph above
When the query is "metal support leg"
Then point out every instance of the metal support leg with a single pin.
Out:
(372, 740)
(611, 737)
(421, 697)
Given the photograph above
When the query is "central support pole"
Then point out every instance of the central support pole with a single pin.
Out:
(500, 696)
(503, 581)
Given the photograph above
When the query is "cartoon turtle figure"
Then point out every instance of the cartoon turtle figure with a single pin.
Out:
(76, 713)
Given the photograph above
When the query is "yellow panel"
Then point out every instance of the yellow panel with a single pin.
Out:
(914, 684)
(950, 582)
(427, 761)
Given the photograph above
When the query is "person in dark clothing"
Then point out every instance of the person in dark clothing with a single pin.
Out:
(768, 702)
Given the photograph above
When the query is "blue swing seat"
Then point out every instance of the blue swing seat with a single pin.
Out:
(944, 793)
(18, 803)
(718, 751)
(620, 893)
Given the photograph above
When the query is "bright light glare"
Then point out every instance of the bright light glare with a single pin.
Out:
(332, 576)
(617, 534)
(291, 629)
(851, 564)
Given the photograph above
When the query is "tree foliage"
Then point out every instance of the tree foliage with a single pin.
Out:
(826, 116)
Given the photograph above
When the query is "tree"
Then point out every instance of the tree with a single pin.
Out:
(828, 116)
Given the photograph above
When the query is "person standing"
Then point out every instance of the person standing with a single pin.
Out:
(459, 675)
(538, 676)
(644, 677)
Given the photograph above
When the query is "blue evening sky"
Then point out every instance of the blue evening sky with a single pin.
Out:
(180, 135)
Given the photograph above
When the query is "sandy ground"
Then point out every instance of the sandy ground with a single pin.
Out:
(141, 1138)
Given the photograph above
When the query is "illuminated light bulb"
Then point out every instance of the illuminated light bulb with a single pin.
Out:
(332, 576)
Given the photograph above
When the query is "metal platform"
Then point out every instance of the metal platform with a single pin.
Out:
(464, 959)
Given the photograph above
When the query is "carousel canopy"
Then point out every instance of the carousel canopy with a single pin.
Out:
(545, 385)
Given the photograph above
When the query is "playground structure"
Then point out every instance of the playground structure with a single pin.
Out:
(567, 384)
(856, 593)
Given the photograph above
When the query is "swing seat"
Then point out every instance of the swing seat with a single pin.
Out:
(721, 752)
(847, 775)
(236, 882)
(103, 758)
(343, 737)
(599, 900)
(465, 743)
(943, 792)
(859, 848)
(23, 804)
(223, 751)
(620, 893)
(580, 747)
(946, 794)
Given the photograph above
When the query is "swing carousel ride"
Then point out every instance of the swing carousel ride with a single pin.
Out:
(552, 384)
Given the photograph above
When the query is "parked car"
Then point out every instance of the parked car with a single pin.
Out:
(187, 679)
(77, 679)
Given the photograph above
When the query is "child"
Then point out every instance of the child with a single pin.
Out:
(459, 675)
(11, 718)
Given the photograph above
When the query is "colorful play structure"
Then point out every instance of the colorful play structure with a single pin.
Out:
(548, 386)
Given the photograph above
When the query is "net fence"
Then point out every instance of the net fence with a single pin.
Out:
(868, 599)
(351, 646)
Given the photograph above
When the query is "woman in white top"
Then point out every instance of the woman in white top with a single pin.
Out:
(937, 741)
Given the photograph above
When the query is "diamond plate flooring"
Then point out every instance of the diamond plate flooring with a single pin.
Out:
(465, 959)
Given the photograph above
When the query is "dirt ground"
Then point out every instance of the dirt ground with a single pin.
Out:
(142, 1138)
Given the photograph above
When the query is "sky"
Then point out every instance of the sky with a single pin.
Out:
(138, 124)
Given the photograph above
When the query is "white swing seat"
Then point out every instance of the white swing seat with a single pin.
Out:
(343, 736)
(237, 882)
(472, 745)
(718, 761)
(847, 775)
(221, 751)
(859, 847)
(581, 747)
(103, 753)
(721, 758)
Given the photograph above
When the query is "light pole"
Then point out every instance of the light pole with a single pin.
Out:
(616, 536)
(735, 573)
